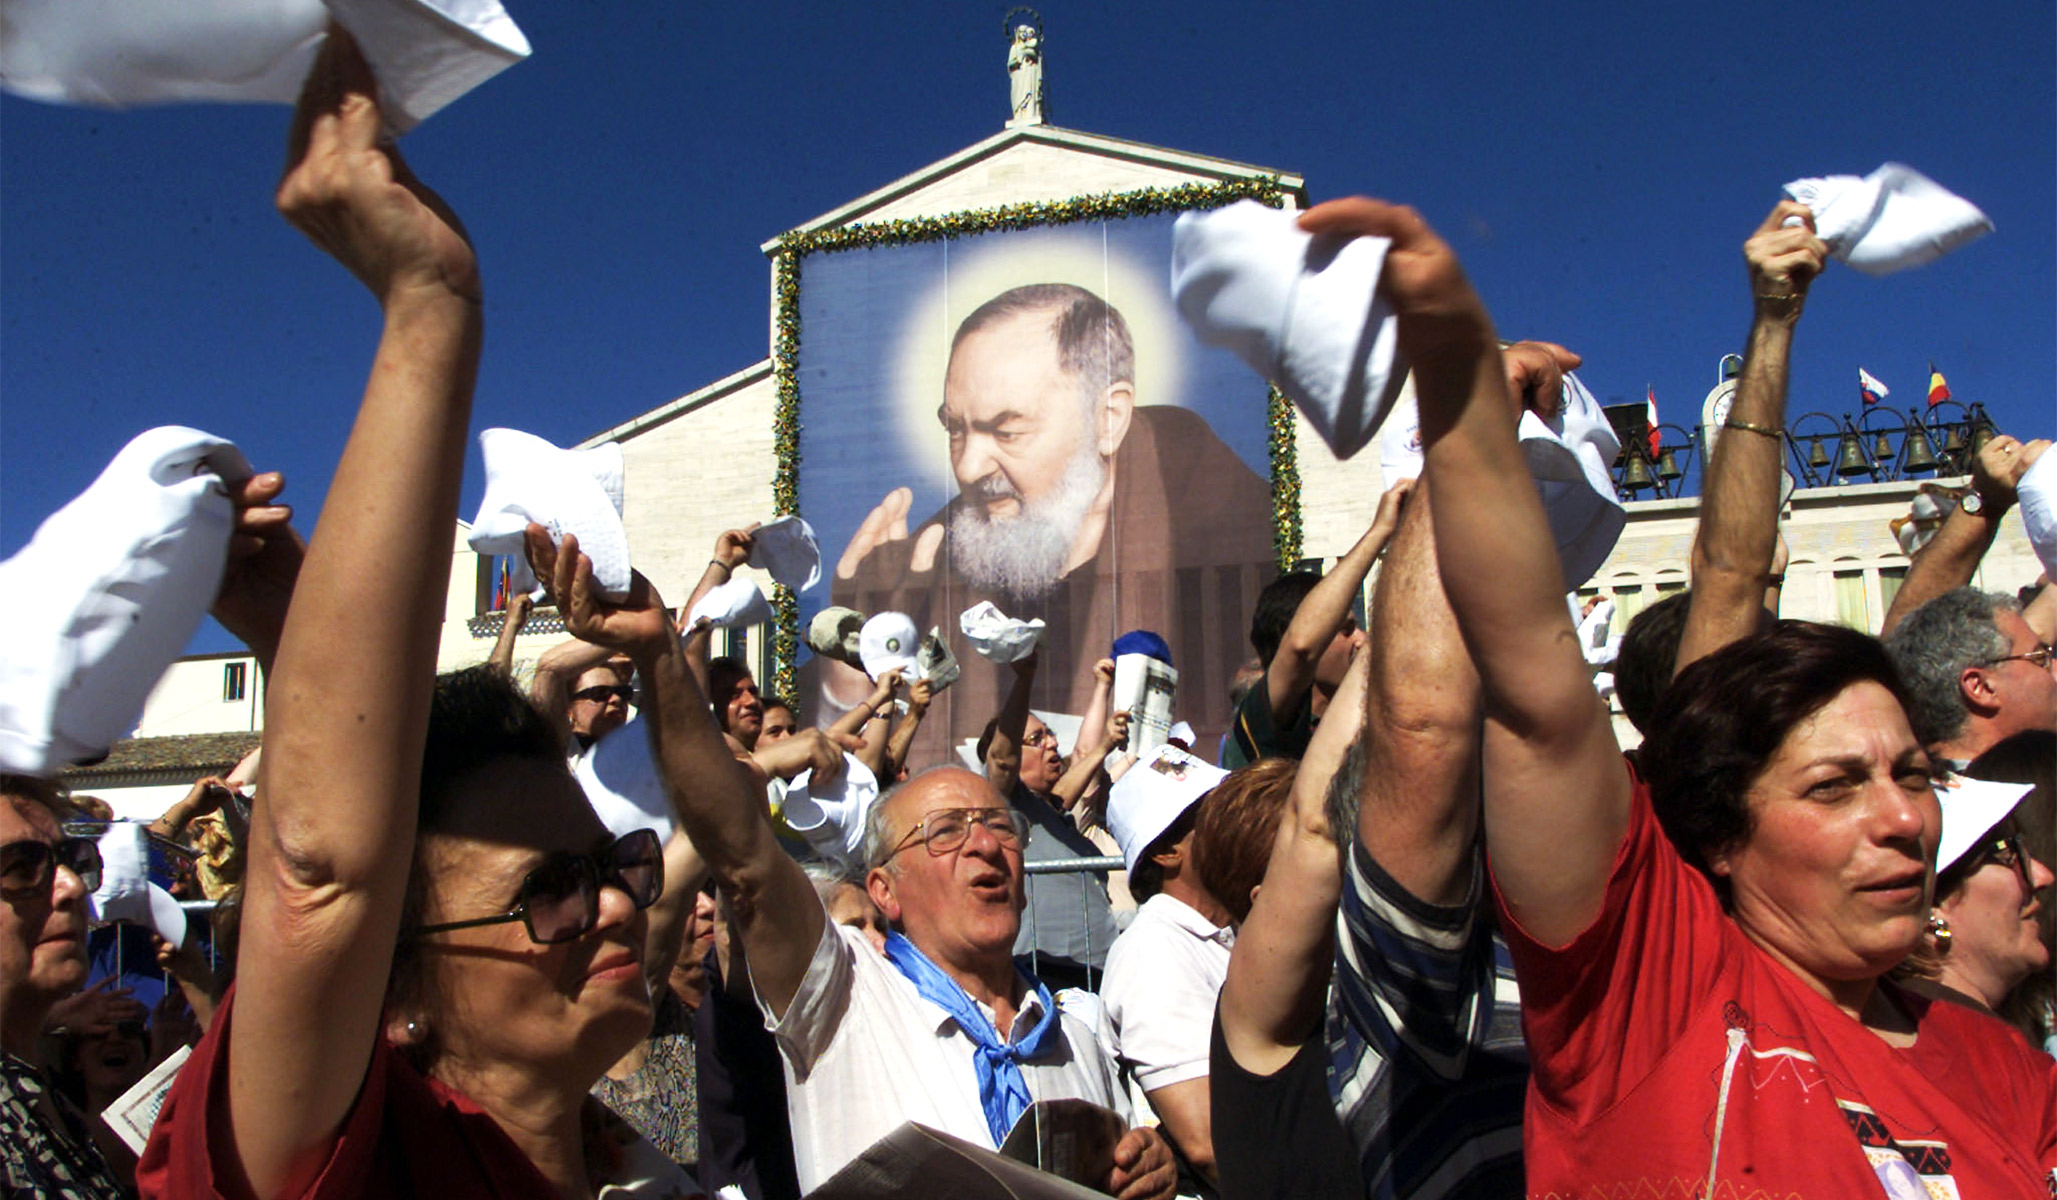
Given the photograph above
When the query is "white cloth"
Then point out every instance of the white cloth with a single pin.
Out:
(108, 592)
(831, 815)
(126, 893)
(1152, 794)
(737, 604)
(1303, 311)
(576, 492)
(1164, 974)
(1891, 219)
(996, 636)
(623, 782)
(2035, 495)
(1971, 807)
(786, 549)
(864, 1052)
(1570, 457)
(1596, 640)
(888, 641)
(114, 53)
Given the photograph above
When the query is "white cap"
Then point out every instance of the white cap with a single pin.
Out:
(888, 640)
(1153, 794)
(1971, 807)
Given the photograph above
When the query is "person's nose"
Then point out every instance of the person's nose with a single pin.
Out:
(2039, 874)
(1902, 817)
(975, 460)
(616, 907)
(66, 887)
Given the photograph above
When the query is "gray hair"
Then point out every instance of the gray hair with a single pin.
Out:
(1093, 341)
(1934, 646)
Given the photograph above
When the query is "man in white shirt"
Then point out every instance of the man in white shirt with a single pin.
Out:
(1165, 971)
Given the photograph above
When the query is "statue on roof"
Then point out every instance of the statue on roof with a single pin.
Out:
(1025, 68)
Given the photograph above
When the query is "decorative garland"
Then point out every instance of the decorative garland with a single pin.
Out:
(1285, 482)
(785, 485)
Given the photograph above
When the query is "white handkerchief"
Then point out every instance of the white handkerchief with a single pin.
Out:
(1568, 456)
(565, 491)
(787, 550)
(737, 604)
(2035, 495)
(623, 783)
(108, 592)
(115, 53)
(126, 893)
(1303, 311)
(1891, 219)
(831, 815)
(997, 636)
(888, 641)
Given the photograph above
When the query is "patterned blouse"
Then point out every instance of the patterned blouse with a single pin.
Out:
(662, 1098)
(37, 1159)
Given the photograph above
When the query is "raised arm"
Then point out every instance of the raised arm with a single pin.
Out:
(332, 839)
(1290, 677)
(1733, 549)
(517, 615)
(920, 694)
(1951, 557)
(719, 805)
(1003, 755)
(865, 724)
(731, 550)
(1279, 972)
(557, 673)
(1556, 791)
(1088, 761)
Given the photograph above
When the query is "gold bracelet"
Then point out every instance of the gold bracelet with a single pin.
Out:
(1746, 427)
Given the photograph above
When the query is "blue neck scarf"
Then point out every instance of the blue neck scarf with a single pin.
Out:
(1003, 1091)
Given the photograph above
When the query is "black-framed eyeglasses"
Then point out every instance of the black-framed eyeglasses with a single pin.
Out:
(29, 866)
(2040, 656)
(946, 830)
(560, 900)
(601, 693)
(2008, 852)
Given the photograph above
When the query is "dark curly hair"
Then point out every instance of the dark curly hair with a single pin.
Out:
(1725, 716)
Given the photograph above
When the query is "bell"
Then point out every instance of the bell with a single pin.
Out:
(1850, 457)
(1882, 449)
(1667, 467)
(1921, 455)
(1955, 442)
(1636, 476)
(1817, 454)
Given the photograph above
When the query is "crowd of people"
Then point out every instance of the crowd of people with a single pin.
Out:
(1425, 932)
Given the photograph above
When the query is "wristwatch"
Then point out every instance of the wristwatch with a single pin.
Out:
(1972, 503)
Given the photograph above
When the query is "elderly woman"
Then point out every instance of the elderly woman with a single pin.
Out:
(442, 948)
(1983, 939)
(1705, 1011)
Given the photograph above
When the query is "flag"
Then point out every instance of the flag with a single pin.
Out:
(499, 588)
(1870, 388)
(1650, 418)
(1938, 391)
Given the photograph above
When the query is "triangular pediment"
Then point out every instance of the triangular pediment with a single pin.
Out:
(1036, 164)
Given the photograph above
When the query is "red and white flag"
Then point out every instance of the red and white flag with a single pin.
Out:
(1650, 418)
(1870, 388)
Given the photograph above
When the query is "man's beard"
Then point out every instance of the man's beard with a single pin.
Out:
(1023, 556)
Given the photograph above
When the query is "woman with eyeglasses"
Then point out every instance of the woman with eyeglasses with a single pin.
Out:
(442, 948)
(1700, 940)
(1983, 939)
(46, 1142)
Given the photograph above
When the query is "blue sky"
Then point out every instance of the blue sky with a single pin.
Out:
(1597, 167)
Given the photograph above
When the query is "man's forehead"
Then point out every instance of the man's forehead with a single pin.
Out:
(939, 790)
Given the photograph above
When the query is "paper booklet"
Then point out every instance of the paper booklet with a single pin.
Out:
(131, 1116)
(1073, 1138)
(1145, 687)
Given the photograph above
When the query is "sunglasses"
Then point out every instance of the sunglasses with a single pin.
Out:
(602, 693)
(2010, 853)
(29, 866)
(560, 900)
(948, 829)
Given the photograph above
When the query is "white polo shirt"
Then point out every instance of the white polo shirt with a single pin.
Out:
(1164, 975)
(864, 1052)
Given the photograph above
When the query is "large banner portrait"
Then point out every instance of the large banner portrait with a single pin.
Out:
(1019, 416)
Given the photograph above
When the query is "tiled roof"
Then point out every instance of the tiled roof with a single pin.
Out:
(197, 753)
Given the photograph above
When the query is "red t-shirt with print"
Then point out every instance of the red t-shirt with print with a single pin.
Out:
(1674, 1058)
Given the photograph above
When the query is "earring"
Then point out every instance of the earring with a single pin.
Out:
(413, 1029)
(1939, 929)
